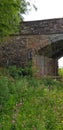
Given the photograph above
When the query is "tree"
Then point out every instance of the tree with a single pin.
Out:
(10, 15)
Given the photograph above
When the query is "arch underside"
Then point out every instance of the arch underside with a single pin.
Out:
(48, 58)
(54, 50)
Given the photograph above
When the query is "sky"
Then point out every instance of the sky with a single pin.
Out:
(46, 9)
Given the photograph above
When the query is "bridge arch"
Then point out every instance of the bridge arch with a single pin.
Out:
(47, 58)
(53, 50)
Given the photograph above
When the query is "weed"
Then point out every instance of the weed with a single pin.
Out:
(27, 104)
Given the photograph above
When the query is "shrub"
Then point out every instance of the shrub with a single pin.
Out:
(13, 71)
(16, 72)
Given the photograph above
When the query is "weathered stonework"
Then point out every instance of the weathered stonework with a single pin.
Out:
(43, 27)
(13, 52)
(41, 41)
(44, 66)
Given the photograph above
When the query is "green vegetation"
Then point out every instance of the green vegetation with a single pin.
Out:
(28, 103)
(11, 15)
(60, 72)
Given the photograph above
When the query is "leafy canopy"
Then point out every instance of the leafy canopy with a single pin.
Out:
(10, 15)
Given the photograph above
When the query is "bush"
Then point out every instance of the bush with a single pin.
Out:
(13, 71)
(16, 72)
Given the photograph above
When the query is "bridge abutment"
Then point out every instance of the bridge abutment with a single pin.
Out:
(44, 66)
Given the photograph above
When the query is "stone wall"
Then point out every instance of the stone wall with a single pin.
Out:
(44, 66)
(50, 26)
(13, 52)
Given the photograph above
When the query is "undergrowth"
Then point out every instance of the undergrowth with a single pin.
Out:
(28, 103)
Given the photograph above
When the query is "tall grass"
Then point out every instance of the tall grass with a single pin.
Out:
(29, 103)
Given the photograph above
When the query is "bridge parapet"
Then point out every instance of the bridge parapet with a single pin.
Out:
(44, 27)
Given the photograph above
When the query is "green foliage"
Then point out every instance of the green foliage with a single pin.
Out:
(13, 71)
(60, 71)
(28, 69)
(27, 104)
(4, 91)
(17, 72)
(10, 15)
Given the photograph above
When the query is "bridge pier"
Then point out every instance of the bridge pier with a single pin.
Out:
(44, 66)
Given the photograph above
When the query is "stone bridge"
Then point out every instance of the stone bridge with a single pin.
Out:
(39, 41)
(45, 39)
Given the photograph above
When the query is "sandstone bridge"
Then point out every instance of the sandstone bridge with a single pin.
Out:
(39, 41)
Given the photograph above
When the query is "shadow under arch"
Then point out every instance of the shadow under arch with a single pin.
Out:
(53, 50)
(49, 56)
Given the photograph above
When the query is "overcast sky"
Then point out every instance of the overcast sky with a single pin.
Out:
(46, 9)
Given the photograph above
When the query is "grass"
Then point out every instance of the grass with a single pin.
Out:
(29, 103)
(60, 72)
